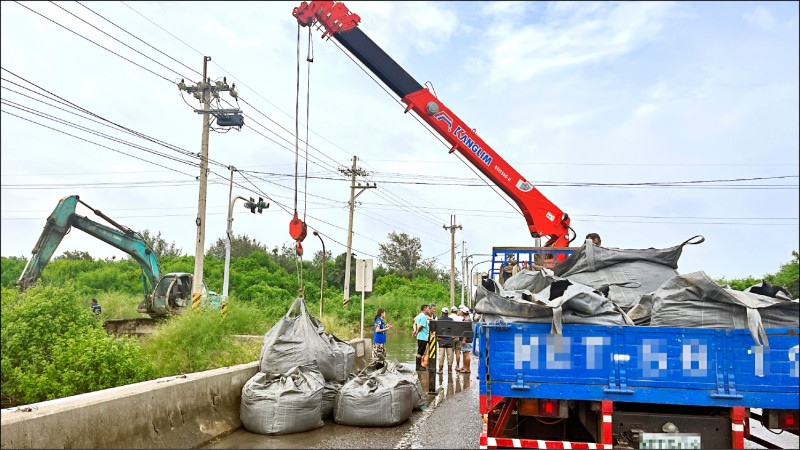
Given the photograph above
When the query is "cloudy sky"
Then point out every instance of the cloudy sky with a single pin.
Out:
(586, 100)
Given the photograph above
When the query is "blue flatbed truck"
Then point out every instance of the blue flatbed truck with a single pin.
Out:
(575, 388)
(633, 386)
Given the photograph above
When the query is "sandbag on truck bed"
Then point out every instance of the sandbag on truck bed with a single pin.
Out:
(283, 403)
(561, 301)
(381, 395)
(626, 273)
(298, 339)
(695, 300)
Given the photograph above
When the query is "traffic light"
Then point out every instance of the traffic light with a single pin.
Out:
(262, 204)
(252, 205)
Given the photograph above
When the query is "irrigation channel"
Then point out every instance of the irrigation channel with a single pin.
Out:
(450, 421)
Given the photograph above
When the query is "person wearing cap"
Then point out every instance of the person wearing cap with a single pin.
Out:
(445, 344)
(466, 343)
(456, 342)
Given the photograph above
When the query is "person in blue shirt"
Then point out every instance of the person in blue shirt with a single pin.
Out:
(378, 350)
(422, 334)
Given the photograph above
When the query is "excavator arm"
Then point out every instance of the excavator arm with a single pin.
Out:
(59, 223)
(544, 219)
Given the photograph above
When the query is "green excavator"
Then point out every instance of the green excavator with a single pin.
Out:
(164, 294)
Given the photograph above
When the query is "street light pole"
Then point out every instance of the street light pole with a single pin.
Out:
(322, 277)
(229, 231)
(470, 273)
(229, 234)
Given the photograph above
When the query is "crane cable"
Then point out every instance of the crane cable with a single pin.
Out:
(297, 228)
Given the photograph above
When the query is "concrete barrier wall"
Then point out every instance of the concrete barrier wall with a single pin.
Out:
(183, 411)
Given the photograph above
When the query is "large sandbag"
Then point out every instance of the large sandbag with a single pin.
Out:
(695, 300)
(295, 341)
(283, 403)
(562, 301)
(329, 393)
(344, 354)
(379, 396)
(626, 274)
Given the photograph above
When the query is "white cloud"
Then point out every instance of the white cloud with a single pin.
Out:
(661, 91)
(645, 110)
(760, 16)
(232, 39)
(571, 34)
(506, 9)
(400, 27)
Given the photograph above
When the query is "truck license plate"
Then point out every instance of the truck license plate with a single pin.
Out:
(669, 440)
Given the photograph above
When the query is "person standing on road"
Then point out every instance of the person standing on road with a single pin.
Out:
(421, 333)
(456, 342)
(466, 344)
(96, 308)
(445, 345)
(378, 349)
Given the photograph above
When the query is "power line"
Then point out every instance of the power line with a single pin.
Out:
(95, 143)
(112, 37)
(93, 42)
(140, 40)
(94, 132)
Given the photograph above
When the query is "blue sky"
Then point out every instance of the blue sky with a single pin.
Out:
(565, 92)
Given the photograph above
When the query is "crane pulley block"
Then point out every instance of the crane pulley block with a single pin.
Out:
(297, 229)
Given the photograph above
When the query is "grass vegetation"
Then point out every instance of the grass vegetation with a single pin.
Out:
(52, 346)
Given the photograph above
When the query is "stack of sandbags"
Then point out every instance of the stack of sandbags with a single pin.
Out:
(299, 363)
(560, 301)
(623, 275)
(283, 403)
(382, 395)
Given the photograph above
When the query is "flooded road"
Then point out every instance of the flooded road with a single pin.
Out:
(450, 421)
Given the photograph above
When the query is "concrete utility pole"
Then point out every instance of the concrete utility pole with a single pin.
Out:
(199, 249)
(452, 229)
(352, 172)
(463, 272)
(203, 92)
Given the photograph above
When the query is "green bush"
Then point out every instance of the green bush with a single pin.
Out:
(53, 347)
(202, 339)
(788, 277)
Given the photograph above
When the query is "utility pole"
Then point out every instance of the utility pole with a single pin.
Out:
(199, 249)
(352, 172)
(452, 229)
(203, 92)
(463, 261)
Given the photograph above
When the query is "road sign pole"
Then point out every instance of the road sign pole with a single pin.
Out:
(363, 293)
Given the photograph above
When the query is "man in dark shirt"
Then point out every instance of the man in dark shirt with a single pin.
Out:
(445, 344)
